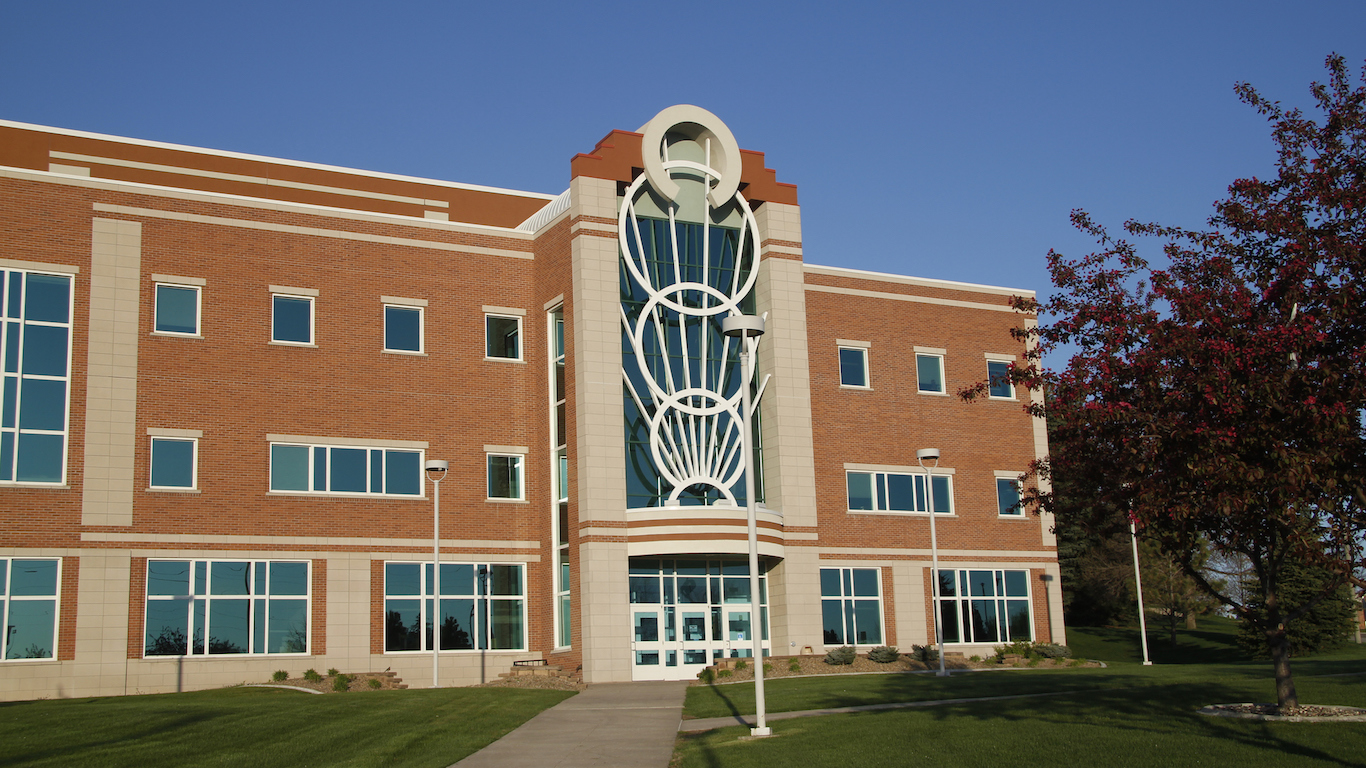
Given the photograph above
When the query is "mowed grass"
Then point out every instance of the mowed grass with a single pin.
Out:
(1122, 716)
(264, 727)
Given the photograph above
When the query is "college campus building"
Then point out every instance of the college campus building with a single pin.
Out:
(224, 375)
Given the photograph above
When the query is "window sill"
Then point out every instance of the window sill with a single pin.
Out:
(49, 486)
(402, 352)
(1003, 399)
(275, 343)
(174, 490)
(492, 500)
(30, 661)
(856, 386)
(504, 360)
(170, 335)
(934, 394)
(366, 496)
(1012, 517)
(926, 515)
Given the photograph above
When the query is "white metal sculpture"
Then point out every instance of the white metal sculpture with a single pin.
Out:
(694, 426)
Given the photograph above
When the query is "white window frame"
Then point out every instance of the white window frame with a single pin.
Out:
(1000, 359)
(427, 601)
(309, 295)
(506, 313)
(7, 598)
(959, 600)
(185, 284)
(879, 480)
(169, 435)
(251, 596)
(843, 601)
(939, 355)
(862, 348)
(385, 446)
(421, 328)
(1014, 479)
(506, 451)
(23, 324)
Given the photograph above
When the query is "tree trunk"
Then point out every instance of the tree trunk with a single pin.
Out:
(1190, 620)
(1171, 625)
(1280, 659)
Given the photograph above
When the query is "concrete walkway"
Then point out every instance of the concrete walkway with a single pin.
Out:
(624, 725)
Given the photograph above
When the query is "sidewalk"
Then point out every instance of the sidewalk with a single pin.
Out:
(624, 725)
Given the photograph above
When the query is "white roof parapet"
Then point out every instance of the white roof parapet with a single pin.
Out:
(928, 282)
(547, 213)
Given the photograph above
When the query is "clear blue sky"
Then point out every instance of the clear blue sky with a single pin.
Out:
(944, 140)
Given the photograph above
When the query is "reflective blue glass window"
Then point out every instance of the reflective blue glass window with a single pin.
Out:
(403, 329)
(173, 463)
(292, 319)
(177, 309)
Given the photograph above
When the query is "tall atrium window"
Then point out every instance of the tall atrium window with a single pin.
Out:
(37, 349)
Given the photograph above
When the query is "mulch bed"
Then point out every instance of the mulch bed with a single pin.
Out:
(814, 664)
(1304, 713)
(360, 681)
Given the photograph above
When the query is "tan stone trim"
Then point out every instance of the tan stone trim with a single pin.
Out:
(358, 441)
(158, 432)
(555, 302)
(1048, 556)
(298, 541)
(402, 301)
(519, 449)
(292, 291)
(906, 469)
(516, 311)
(311, 231)
(179, 280)
(39, 266)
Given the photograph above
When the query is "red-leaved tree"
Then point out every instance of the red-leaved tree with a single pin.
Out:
(1219, 397)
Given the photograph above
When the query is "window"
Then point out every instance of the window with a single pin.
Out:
(1008, 497)
(177, 309)
(505, 476)
(559, 518)
(173, 462)
(28, 608)
(226, 607)
(402, 329)
(930, 371)
(851, 606)
(853, 367)
(998, 376)
(482, 606)
(501, 337)
(897, 492)
(291, 319)
(37, 348)
(345, 469)
(985, 606)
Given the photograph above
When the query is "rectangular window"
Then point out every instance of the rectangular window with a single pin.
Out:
(402, 329)
(173, 463)
(853, 367)
(36, 331)
(345, 469)
(851, 606)
(28, 608)
(177, 309)
(985, 606)
(481, 606)
(559, 478)
(897, 492)
(998, 376)
(502, 337)
(291, 319)
(505, 476)
(226, 607)
(930, 372)
(1008, 497)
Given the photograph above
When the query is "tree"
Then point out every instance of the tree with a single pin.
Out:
(1171, 592)
(1323, 628)
(1218, 399)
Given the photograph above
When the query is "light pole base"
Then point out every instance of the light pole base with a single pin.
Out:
(760, 732)
(1147, 663)
(942, 673)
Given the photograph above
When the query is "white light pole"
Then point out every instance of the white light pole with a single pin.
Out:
(920, 456)
(436, 472)
(745, 327)
(1138, 583)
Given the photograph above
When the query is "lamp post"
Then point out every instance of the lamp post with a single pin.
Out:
(745, 327)
(921, 456)
(436, 472)
(1138, 584)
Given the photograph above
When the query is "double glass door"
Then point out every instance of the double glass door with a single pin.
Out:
(685, 614)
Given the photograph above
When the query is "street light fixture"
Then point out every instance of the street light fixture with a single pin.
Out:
(744, 328)
(436, 472)
(923, 455)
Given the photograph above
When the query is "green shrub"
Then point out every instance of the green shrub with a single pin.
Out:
(884, 654)
(1017, 648)
(842, 656)
(924, 654)
(1034, 662)
(312, 676)
(280, 676)
(332, 672)
(741, 664)
(974, 657)
(375, 684)
(341, 683)
(793, 665)
(706, 675)
(1052, 650)
(723, 673)
(767, 668)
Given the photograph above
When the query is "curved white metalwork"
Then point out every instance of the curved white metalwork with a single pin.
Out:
(694, 426)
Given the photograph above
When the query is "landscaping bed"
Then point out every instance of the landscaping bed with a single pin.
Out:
(729, 670)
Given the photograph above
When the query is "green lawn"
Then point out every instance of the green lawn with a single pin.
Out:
(1125, 715)
(264, 727)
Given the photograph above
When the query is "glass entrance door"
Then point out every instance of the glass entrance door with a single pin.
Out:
(687, 613)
